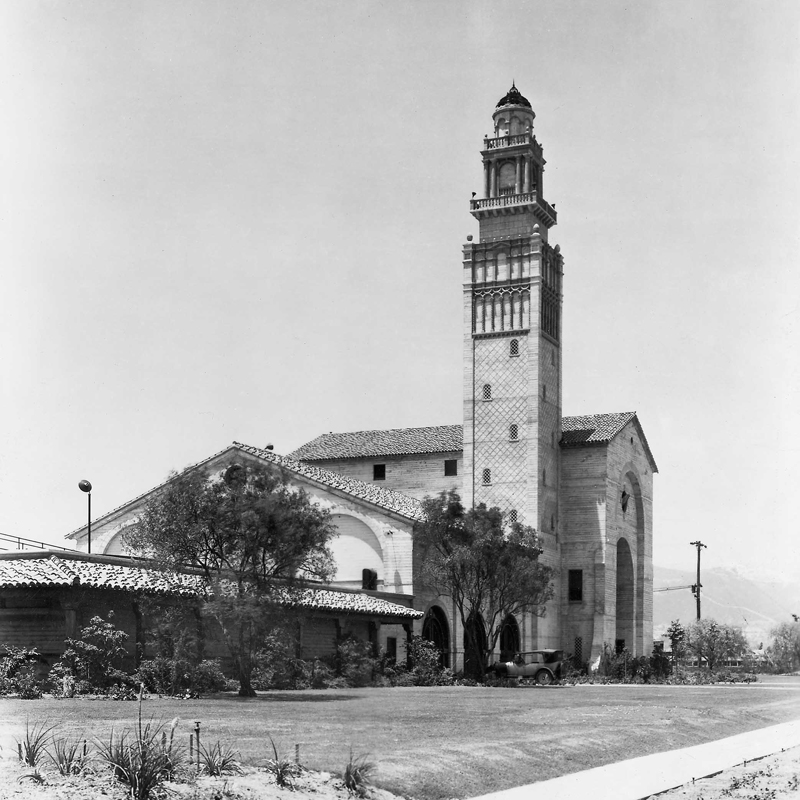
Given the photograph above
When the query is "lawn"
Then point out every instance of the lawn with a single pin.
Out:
(443, 742)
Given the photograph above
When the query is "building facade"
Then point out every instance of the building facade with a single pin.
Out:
(584, 482)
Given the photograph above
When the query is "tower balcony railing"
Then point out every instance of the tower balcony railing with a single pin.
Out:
(507, 200)
(507, 141)
(515, 140)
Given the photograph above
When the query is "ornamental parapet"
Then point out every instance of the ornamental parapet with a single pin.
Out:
(515, 140)
(513, 203)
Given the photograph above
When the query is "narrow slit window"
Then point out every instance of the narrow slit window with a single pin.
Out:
(575, 586)
(487, 391)
(487, 477)
(544, 477)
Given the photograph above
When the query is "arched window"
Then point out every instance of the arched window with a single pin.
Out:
(508, 178)
(487, 391)
(513, 348)
(512, 516)
(435, 629)
(513, 432)
(487, 477)
(509, 639)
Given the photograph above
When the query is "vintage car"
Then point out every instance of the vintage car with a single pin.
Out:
(543, 666)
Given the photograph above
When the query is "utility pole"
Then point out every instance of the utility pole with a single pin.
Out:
(698, 544)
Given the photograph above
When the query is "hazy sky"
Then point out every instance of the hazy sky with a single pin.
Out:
(243, 221)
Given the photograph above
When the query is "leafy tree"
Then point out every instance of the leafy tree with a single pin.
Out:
(784, 650)
(486, 562)
(676, 634)
(256, 539)
(714, 641)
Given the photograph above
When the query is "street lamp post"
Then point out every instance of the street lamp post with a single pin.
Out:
(85, 486)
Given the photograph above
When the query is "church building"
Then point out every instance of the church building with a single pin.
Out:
(584, 482)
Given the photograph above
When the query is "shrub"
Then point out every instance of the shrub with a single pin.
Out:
(144, 761)
(357, 775)
(218, 760)
(426, 664)
(18, 672)
(284, 769)
(92, 658)
(70, 756)
(34, 744)
(172, 676)
(276, 665)
(355, 661)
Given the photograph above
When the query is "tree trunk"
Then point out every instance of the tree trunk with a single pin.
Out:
(245, 688)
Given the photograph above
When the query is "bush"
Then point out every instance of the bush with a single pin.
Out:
(173, 676)
(91, 660)
(18, 672)
(426, 664)
(355, 661)
(276, 665)
(145, 760)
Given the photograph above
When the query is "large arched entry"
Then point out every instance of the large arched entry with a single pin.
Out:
(625, 597)
(476, 631)
(509, 639)
(435, 629)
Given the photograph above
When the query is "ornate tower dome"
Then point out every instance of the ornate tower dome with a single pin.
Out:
(513, 98)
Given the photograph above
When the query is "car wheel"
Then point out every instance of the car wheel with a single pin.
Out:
(543, 677)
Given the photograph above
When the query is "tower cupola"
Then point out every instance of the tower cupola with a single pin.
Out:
(513, 114)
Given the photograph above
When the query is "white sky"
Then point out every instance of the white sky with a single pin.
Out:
(243, 220)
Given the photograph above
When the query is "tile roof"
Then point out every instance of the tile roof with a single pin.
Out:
(581, 431)
(593, 428)
(37, 570)
(54, 570)
(395, 442)
(377, 495)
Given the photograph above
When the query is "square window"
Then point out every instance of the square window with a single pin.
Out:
(450, 467)
(379, 472)
(575, 586)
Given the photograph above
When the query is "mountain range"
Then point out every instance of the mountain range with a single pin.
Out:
(727, 595)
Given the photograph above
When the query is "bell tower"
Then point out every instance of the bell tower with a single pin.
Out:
(512, 331)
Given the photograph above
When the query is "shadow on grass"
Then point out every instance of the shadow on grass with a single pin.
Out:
(291, 697)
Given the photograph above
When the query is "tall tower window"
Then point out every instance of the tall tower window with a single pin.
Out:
(487, 477)
(575, 586)
(513, 432)
(513, 348)
(487, 391)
